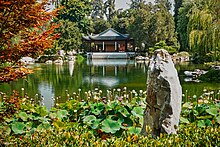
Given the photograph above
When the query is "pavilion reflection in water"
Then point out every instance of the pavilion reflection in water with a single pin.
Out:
(108, 72)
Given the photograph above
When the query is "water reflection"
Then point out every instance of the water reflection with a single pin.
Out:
(50, 80)
(47, 95)
(110, 62)
(113, 72)
(106, 81)
(71, 67)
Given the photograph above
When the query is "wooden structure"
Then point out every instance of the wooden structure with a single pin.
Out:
(110, 44)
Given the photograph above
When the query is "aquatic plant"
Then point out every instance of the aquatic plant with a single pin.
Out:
(103, 121)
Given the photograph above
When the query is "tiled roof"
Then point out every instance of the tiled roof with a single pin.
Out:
(109, 34)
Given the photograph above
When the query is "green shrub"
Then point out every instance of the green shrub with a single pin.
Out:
(211, 75)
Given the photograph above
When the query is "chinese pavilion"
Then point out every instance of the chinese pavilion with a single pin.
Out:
(110, 44)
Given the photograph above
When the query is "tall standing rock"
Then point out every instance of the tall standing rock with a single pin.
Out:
(164, 95)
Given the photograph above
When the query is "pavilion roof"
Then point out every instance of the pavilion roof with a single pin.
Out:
(109, 34)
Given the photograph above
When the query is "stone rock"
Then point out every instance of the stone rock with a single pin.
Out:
(164, 95)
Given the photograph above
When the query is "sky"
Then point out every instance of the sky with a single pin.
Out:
(123, 3)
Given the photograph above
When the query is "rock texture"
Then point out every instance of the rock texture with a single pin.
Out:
(164, 95)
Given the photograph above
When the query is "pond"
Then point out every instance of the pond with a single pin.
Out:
(52, 81)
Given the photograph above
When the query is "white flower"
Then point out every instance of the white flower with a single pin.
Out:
(206, 101)
(194, 96)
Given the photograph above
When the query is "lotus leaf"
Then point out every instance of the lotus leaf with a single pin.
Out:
(186, 105)
(44, 126)
(124, 111)
(218, 119)
(138, 111)
(53, 115)
(97, 108)
(184, 120)
(208, 122)
(23, 116)
(18, 127)
(212, 111)
(62, 114)
(29, 125)
(111, 106)
(89, 119)
(31, 131)
(42, 111)
(134, 130)
(201, 123)
(110, 126)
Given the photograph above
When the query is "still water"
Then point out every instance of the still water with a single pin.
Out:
(52, 81)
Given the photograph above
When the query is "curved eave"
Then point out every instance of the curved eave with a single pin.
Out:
(108, 38)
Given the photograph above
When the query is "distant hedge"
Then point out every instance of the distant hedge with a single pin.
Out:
(211, 76)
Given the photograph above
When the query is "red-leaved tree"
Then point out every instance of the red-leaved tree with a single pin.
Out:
(26, 29)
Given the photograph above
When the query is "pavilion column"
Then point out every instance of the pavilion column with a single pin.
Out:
(116, 48)
(103, 46)
(126, 46)
(116, 70)
(103, 71)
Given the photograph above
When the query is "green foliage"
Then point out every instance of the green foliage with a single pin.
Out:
(76, 11)
(162, 45)
(109, 9)
(100, 25)
(18, 127)
(212, 75)
(79, 58)
(198, 27)
(76, 123)
(71, 37)
(203, 111)
(150, 24)
(73, 19)
(43, 59)
(98, 10)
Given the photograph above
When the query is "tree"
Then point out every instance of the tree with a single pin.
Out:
(182, 23)
(203, 27)
(71, 37)
(98, 9)
(139, 25)
(166, 3)
(25, 30)
(177, 5)
(100, 25)
(77, 11)
(75, 22)
(121, 21)
(135, 4)
(110, 11)
(151, 24)
(162, 26)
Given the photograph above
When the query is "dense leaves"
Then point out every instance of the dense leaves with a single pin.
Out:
(150, 24)
(198, 28)
(25, 30)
